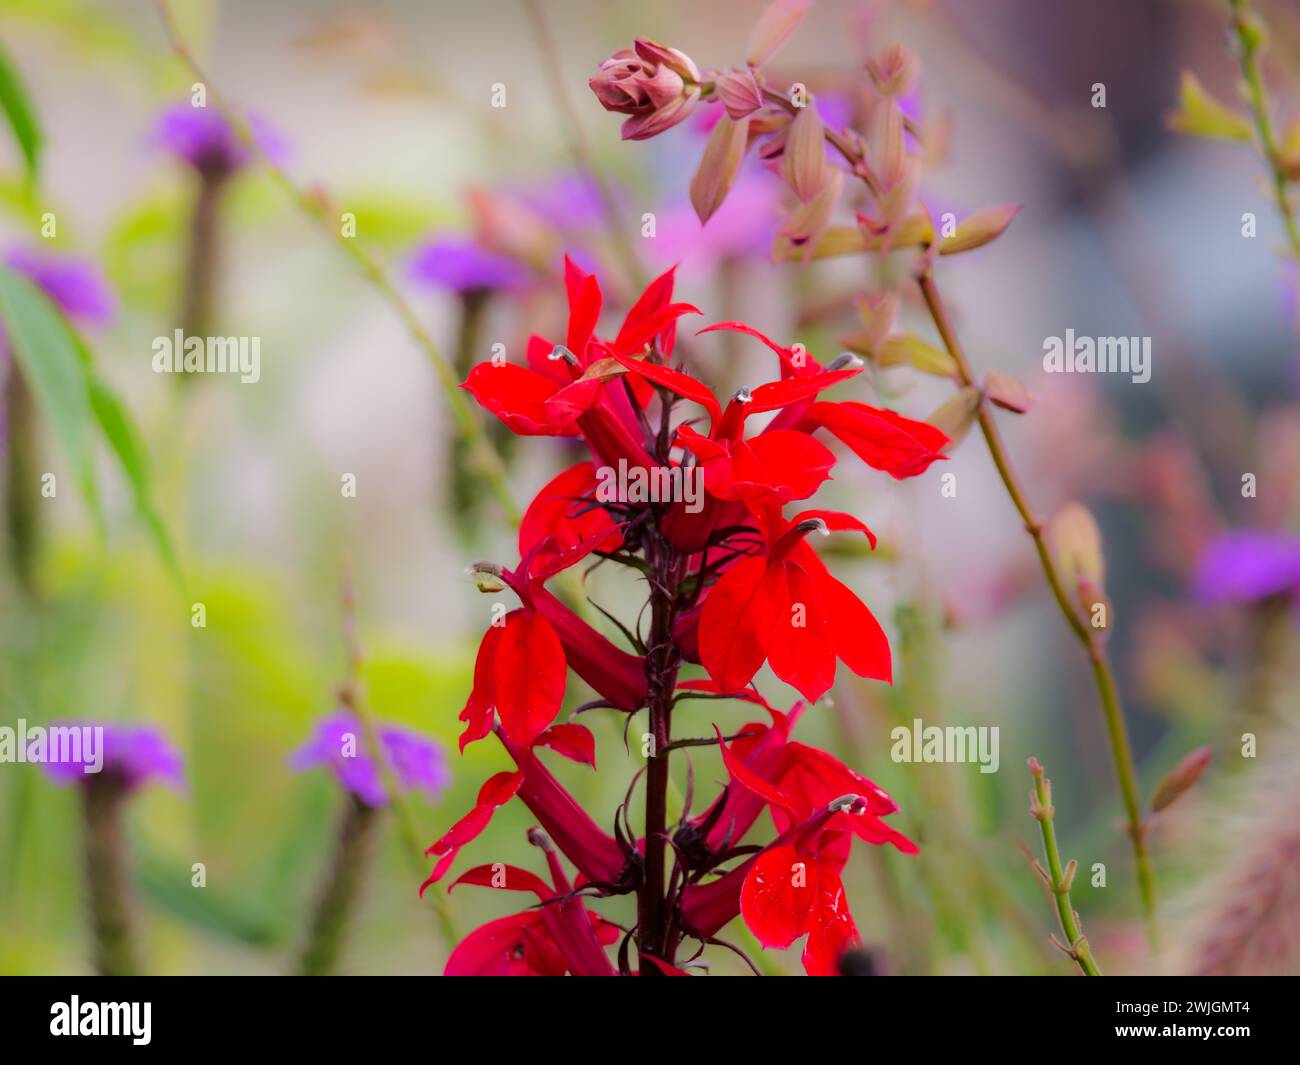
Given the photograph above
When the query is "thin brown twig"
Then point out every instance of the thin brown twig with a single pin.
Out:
(1103, 674)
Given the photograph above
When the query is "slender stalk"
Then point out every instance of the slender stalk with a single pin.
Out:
(462, 495)
(203, 255)
(578, 142)
(1107, 692)
(108, 878)
(662, 662)
(341, 888)
(1103, 675)
(1058, 881)
(1248, 36)
(317, 207)
(351, 695)
(1268, 667)
(22, 479)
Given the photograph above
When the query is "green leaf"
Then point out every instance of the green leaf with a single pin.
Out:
(956, 415)
(1201, 115)
(166, 882)
(123, 437)
(908, 349)
(978, 229)
(22, 119)
(74, 399)
(48, 357)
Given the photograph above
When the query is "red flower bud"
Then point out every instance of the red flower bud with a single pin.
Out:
(739, 92)
(655, 85)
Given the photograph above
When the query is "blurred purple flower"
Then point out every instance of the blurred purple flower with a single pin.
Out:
(565, 201)
(464, 265)
(138, 753)
(73, 284)
(1247, 566)
(201, 137)
(419, 762)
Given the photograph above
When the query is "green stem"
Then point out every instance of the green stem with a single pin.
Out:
(1058, 880)
(1249, 37)
(351, 696)
(1103, 675)
(464, 498)
(341, 889)
(22, 498)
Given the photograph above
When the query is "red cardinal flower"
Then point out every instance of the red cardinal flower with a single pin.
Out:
(557, 938)
(733, 584)
(784, 607)
(777, 465)
(792, 888)
(553, 396)
(883, 439)
(519, 675)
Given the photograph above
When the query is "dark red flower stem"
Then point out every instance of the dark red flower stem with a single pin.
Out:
(663, 659)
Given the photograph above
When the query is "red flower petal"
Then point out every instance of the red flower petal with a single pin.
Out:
(777, 394)
(552, 513)
(740, 613)
(884, 440)
(479, 712)
(698, 444)
(860, 642)
(664, 968)
(789, 464)
(529, 675)
(657, 294)
(496, 791)
(584, 308)
(504, 878)
(675, 381)
(571, 740)
(493, 949)
(803, 649)
(538, 356)
(748, 779)
(812, 778)
(499, 788)
(791, 366)
(518, 397)
(831, 928)
(836, 521)
(778, 896)
(634, 337)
